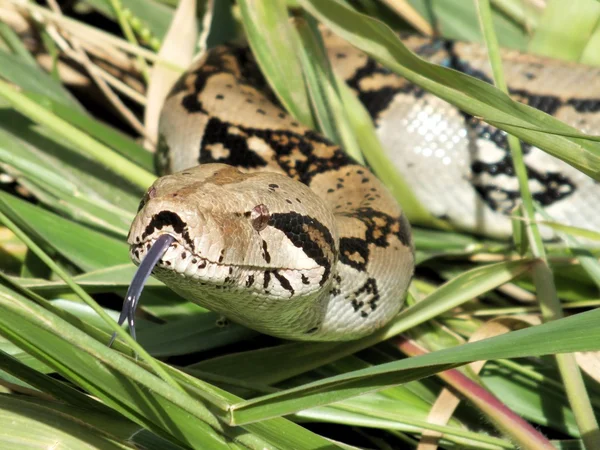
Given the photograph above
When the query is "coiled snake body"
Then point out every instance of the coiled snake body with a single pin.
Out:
(279, 230)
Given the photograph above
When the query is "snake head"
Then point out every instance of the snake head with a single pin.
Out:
(261, 234)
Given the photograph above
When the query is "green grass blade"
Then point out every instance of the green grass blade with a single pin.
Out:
(86, 248)
(105, 134)
(28, 423)
(34, 79)
(274, 45)
(472, 96)
(264, 365)
(563, 30)
(110, 159)
(572, 334)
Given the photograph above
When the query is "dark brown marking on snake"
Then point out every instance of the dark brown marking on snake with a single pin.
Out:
(287, 146)
(243, 68)
(354, 251)
(266, 279)
(250, 280)
(168, 218)
(183, 255)
(265, 253)
(202, 264)
(260, 111)
(370, 287)
(219, 97)
(310, 235)
(240, 155)
(221, 256)
(555, 185)
(284, 282)
(335, 285)
(378, 100)
(357, 305)
(585, 105)
(304, 279)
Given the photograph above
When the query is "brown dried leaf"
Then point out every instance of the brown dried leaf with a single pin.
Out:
(177, 50)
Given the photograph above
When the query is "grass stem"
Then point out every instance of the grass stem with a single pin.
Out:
(542, 274)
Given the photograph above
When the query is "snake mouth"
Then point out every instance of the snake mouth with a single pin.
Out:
(176, 257)
(165, 253)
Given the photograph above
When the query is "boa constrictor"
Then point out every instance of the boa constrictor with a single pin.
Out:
(279, 230)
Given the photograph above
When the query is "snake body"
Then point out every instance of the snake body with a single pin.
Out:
(459, 166)
(278, 229)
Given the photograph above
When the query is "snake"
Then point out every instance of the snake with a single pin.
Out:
(271, 225)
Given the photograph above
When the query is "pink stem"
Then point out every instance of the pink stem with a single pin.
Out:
(507, 421)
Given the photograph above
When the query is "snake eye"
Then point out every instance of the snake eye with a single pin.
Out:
(259, 217)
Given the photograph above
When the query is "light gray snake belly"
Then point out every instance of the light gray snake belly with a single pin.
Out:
(278, 229)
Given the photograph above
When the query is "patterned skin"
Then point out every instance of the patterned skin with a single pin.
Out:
(459, 166)
(279, 230)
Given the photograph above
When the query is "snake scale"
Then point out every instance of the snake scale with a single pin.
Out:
(279, 230)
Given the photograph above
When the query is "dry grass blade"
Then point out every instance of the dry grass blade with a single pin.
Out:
(178, 49)
(405, 10)
(100, 81)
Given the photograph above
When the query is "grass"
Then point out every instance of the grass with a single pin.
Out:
(78, 182)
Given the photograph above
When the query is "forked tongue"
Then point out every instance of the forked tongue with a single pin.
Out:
(136, 287)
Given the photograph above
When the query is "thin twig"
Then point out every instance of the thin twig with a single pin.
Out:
(82, 31)
(87, 63)
(110, 79)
